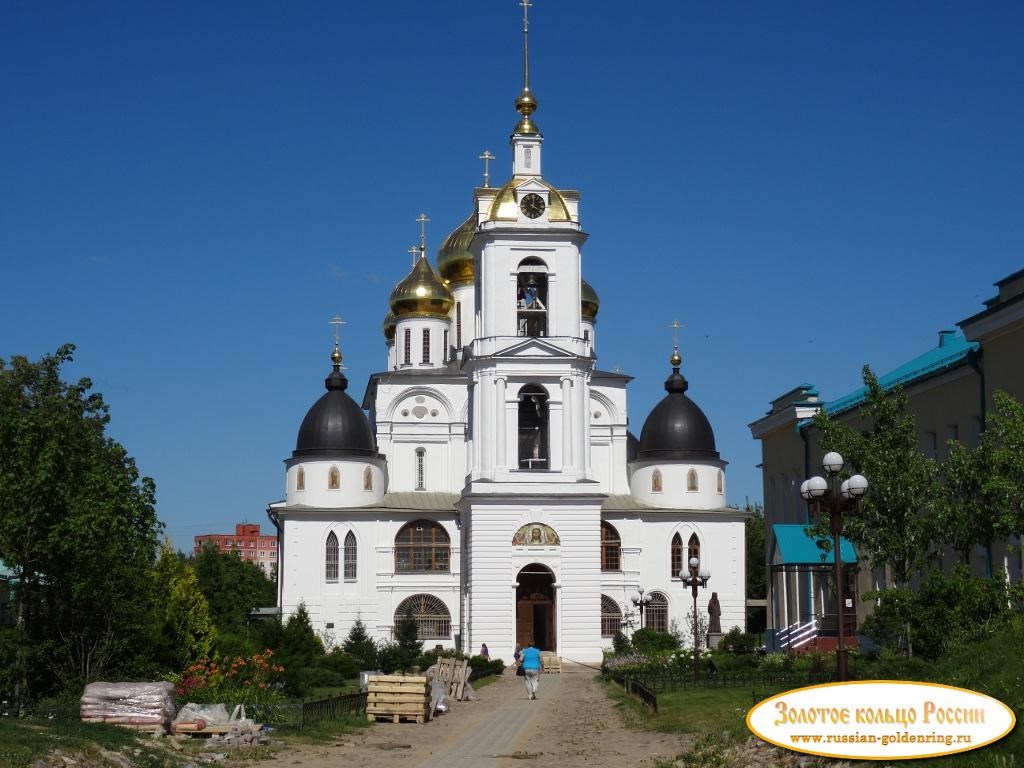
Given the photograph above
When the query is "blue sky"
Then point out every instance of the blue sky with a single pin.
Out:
(191, 190)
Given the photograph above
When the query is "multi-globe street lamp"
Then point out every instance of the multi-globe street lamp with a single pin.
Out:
(693, 578)
(640, 600)
(824, 495)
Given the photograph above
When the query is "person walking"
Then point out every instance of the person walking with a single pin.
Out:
(532, 666)
(485, 652)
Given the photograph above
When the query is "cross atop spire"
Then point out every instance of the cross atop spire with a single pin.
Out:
(487, 157)
(422, 219)
(526, 105)
(526, 4)
(337, 322)
(415, 251)
(676, 359)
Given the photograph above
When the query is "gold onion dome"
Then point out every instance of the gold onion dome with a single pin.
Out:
(454, 260)
(526, 105)
(589, 302)
(421, 293)
(389, 327)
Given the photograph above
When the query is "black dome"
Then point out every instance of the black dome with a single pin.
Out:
(335, 425)
(677, 428)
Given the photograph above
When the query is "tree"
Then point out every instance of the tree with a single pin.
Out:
(299, 648)
(78, 527)
(407, 636)
(360, 646)
(757, 579)
(185, 629)
(893, 524)
(232, 586)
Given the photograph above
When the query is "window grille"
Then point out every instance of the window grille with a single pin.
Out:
(656, 613)
(332, 557)
(407, 344)
(421, 478)
(431, 615)
(426, 345)
(610, 548)
(350, 555)
(677, 556)
(611, 616)
(422, 546)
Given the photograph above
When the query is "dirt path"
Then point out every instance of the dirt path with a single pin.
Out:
(572, 724)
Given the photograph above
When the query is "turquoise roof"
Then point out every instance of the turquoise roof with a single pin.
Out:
(795, 546)
(5, 572)
(952, 350)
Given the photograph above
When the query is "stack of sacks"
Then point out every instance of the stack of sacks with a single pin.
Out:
(145, 706)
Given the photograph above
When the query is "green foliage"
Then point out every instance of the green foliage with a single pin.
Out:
(233, 587)
(255, 681)
(390, 658)
(945, 613)
(184, 630)
(77, 526)
(360, 646)
(299, 648)
(649, 640)
(892, 526)
(482, 667)
(738, 641)
(407, 648)
(341, 663)
(620, 643)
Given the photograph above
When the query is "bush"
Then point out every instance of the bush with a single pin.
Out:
(483, 667)
(649, 640)
(620, 643)
(738, 641)
(255, 680)
(341, 663)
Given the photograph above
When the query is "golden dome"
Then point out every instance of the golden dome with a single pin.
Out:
(589, 301)
(454, 260)
(389, 327)
(526, 105)
(505, 208)
(421, 293)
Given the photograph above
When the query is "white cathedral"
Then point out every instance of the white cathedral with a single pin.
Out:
(494, 490)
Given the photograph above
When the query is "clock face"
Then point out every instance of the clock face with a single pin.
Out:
(532, 205)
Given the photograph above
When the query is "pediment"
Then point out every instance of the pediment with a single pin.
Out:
(534, 347)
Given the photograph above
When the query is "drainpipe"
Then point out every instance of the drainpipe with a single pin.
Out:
(974, 359)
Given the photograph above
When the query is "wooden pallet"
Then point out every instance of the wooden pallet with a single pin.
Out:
(551, 662)
(454, 673)
(398, 697)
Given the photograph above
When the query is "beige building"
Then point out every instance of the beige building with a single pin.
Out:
(949, 388)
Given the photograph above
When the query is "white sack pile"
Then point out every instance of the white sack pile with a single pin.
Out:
(145, 706)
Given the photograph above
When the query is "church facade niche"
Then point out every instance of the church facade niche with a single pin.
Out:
(532, 298)
(533, 428)
(536, 534)
(334, 479)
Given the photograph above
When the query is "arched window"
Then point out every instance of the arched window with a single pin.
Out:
(677, 556)
(611, 617)
(334, 479)
(532, 298)
(350, 555)
(533, 427)
(611, 546)
(367, 479)
(421, 475)
(656, 613)
(656, 481)
(721, 480)
(691, 480)
(422, 546)
(431, 615)
(300, 480)
(331, 557)
(692, 551)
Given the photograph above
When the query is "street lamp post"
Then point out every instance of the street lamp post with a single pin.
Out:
(822, 494)
(693, 579)
(640, 599)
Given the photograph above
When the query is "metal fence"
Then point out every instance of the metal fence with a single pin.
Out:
(646, 687)
(331, 708)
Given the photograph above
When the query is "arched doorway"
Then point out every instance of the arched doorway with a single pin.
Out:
(535, 607)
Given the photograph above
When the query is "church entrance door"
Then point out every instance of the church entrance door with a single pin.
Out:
(535, 607)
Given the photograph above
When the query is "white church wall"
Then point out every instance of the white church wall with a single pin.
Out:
(417, 326)
(351, 490)
(464, 308)
(675, 490)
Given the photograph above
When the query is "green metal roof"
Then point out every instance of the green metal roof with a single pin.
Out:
(795, 546)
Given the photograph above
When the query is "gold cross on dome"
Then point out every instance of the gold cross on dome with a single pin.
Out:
(487, 157)
(337, 322)
(422, 219)
(415, 251)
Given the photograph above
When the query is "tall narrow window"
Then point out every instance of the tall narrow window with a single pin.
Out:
(331, 553)
(444, 351)
(533, 427)
(350, 555)
(611, 617)
(333, 479)
(691, 480)
(426, 345)
(677, 556)
(421, 476)
(656, 613)
(407, 350)
(367, 479)
(693, 551)
(656, 481)
(721, 481)
(611, 548)
(532, 298)
(458, 324)
(300, 480)
(586, 337)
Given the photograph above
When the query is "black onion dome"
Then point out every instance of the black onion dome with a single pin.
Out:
(677, 428)
(335, 425)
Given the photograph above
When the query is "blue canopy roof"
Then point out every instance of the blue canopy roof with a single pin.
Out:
(794, 546)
